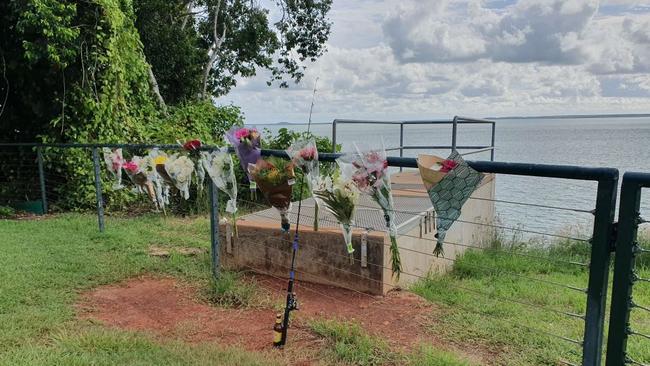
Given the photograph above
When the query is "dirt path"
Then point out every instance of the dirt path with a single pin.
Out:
(171, 309)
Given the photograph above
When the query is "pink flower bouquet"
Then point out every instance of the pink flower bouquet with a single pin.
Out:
(114, 162)
(304, 155)
(138, 176)
(371, 177)
(247, 144)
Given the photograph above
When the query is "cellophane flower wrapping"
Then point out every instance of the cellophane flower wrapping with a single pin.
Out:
(449, 182)
(275, 177)
(114, 161)
(339, 195)
(135, 170)
(304, 155)
(152, 165)
(371, 177)
(180, 169)
(192, 148)
(220, 168)
(247, 144)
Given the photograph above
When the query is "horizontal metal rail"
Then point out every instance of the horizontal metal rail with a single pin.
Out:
(454, 122)
(524, 169)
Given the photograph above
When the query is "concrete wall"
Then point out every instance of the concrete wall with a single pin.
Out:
(419, 237)
(322, 257)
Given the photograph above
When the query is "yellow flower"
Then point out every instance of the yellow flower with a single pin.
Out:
(273, 175)
(160, 160)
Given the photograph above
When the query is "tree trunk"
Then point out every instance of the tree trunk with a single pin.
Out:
(213, 53)
(156, 90)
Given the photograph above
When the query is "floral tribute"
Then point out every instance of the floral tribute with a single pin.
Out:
(449, 182)
(304, 155)
(192, 148)
(220, 167)
(340, 195)
(179, 170)
(135, 170)
(114, 162)
(371, 177)
(247, 144)
(275, 177)
(152, 166)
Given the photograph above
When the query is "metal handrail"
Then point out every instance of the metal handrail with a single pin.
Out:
(454, 122)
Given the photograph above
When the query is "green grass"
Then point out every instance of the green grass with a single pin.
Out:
(349, 344)
(482, 302)
(45, 264)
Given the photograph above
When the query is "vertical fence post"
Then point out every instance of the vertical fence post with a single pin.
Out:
(98, 190)
(454, 132)
(599, 270)
(401, 142)
(494, 125)
(214, 228)
(623, 272)
(41, 178)
(334, 136)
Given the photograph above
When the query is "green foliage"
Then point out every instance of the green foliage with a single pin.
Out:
(285, 137)
(351, 344)
(231, 290)
(178, 36)
(7, 212)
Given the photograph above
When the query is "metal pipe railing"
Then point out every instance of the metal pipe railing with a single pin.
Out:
(454, 135)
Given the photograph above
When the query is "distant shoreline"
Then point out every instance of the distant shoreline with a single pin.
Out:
(564, 116)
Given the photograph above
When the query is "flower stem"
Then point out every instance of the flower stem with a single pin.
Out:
(315, 216)
(396, 262)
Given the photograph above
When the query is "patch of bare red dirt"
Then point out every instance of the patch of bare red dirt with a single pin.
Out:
(169, 308)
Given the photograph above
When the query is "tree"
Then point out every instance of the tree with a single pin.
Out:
(198, 48)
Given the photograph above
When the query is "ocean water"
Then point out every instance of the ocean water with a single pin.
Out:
(622, 143)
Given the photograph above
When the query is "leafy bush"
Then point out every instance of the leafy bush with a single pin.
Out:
(7, 212)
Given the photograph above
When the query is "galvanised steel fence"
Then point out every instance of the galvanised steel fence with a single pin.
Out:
(30, 166)
(629, 327)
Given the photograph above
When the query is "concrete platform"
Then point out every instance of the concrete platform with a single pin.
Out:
(322, 257)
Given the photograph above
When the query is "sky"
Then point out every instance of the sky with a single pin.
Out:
(419, 59)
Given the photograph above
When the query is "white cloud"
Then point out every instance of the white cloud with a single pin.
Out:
(419, 59)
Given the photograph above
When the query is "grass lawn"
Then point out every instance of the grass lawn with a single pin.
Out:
(508, 299)
(46, 264)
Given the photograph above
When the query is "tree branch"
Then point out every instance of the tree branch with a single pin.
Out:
(213, 53)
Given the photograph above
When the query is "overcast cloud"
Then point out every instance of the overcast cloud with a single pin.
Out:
(436, 58)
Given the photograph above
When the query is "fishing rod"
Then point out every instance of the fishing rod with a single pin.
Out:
(292, 301)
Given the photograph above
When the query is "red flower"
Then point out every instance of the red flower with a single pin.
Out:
(448, 165)
(192, 145)
(131, 167)
(308, 153)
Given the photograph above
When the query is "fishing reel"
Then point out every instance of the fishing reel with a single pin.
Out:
(292, 302)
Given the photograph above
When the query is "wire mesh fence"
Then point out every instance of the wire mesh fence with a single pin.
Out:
(552, 296)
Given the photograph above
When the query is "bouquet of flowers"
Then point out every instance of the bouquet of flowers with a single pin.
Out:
(371, 177)
(247, 146)
(139, 177)
(153, 166)
(304, 155)
(340, 196)
(275, 176)
(450, 182)
(179, 170)
(114, 162)
(220, 168)
(193, 146)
